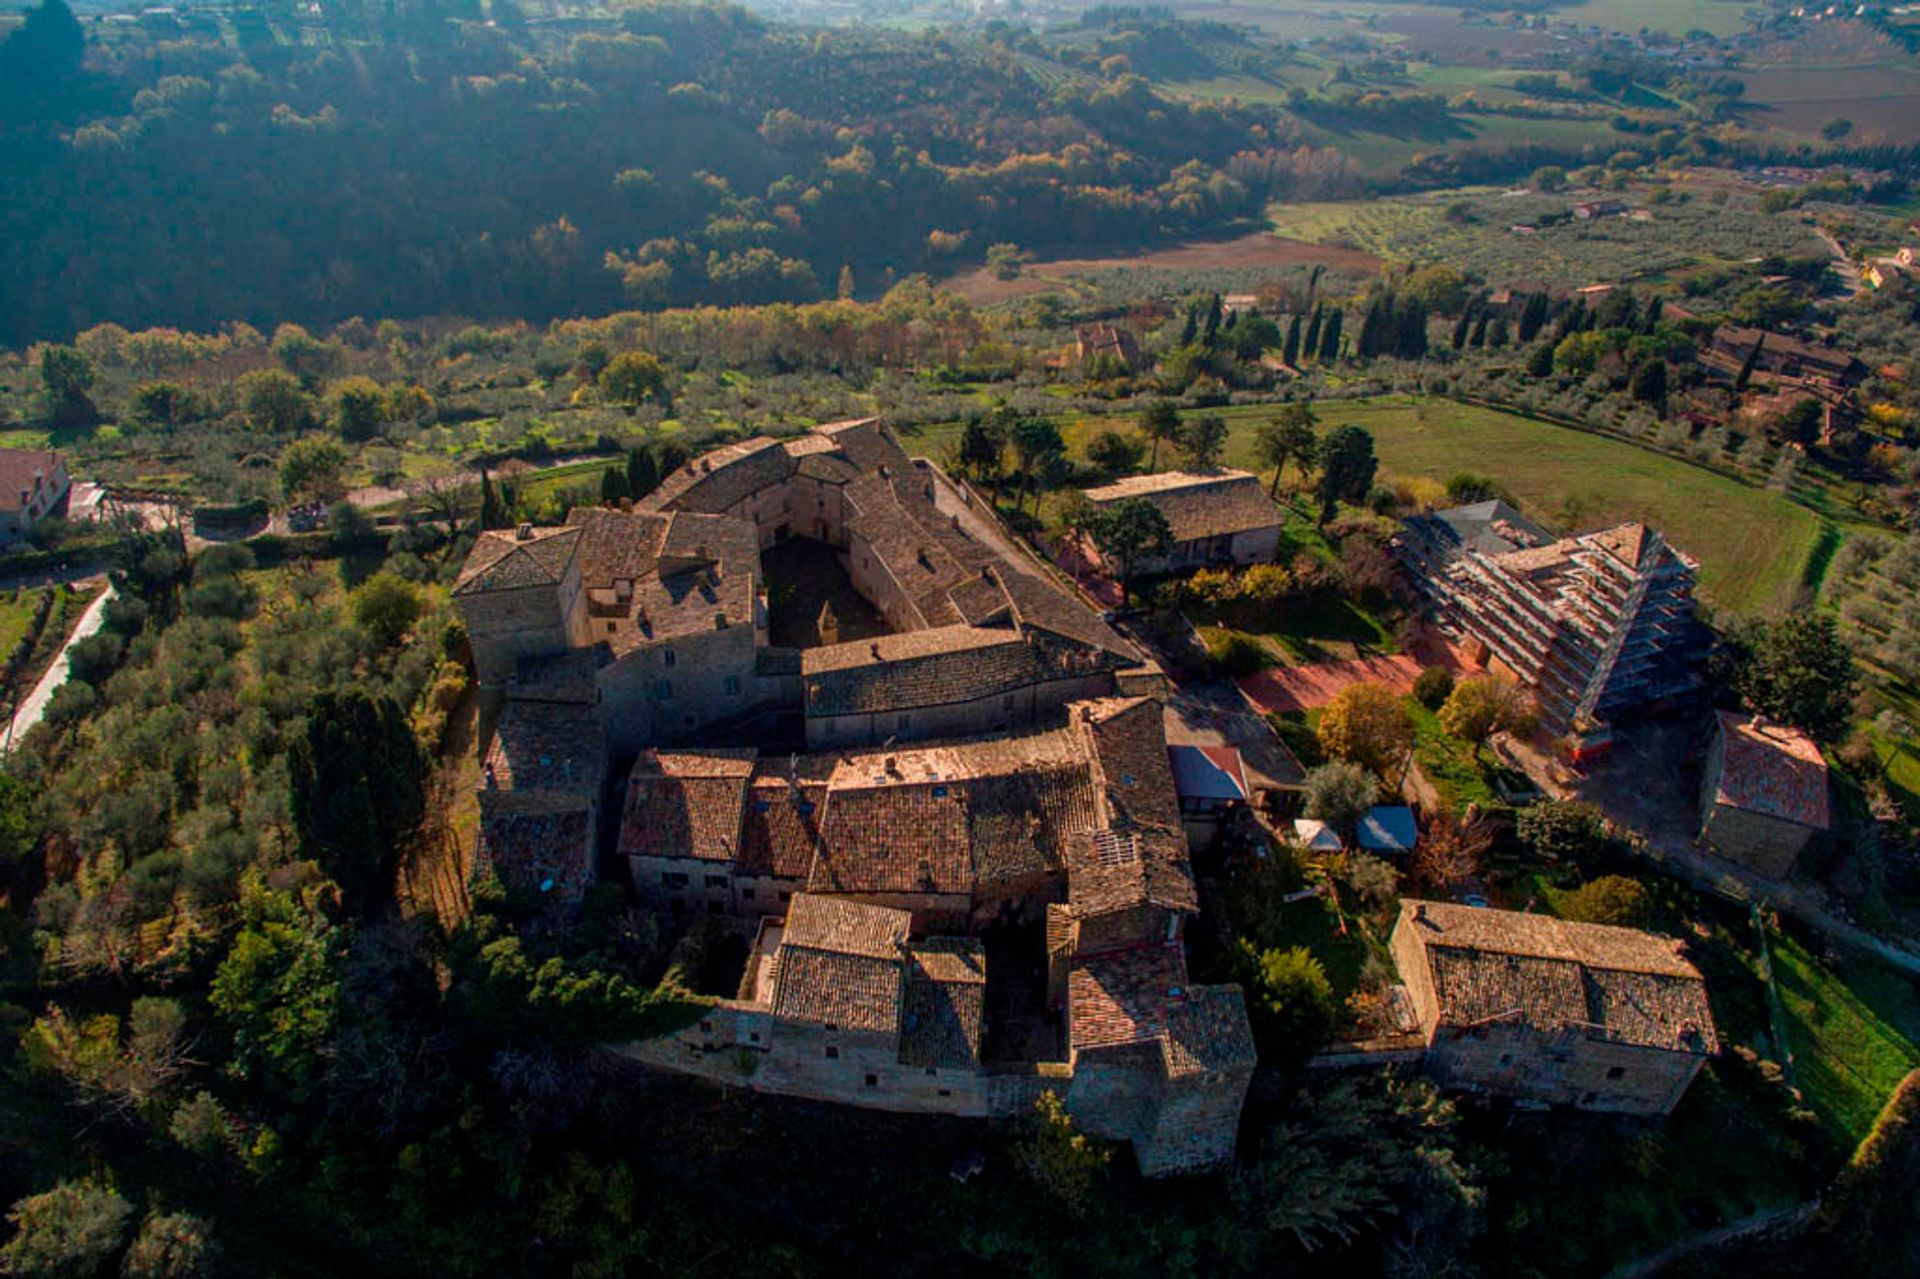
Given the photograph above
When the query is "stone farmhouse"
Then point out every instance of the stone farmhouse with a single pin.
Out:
(1216, 517)
(1763, 794)
(957, 846)
(33, 485)
(1596, 625)
(1550, 1011)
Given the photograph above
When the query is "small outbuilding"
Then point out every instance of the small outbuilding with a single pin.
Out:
(1764, 794)
(1211, 780)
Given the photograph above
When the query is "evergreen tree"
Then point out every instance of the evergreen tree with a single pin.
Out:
(1464, 325)
(356, 791)
(1291, 351)
(1496, 335)
(613, 485)
(1410, 324)
(1212, 328)
(1330, 336)
(1649, 385)
(1479, 338)
(643, 472)
(1534, 317)
(1749, 364)
(1373, 325)
(1191, 329)
(493, 512)
(1311, 346)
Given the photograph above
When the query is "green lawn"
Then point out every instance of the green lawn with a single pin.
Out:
(1448, 763)
(1753, 544)
(16, 615)
(1676, 17)
(1854, 1033)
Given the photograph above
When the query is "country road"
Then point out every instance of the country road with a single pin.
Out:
(35, 705)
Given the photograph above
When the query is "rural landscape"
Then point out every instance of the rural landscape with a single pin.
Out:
(824, 637)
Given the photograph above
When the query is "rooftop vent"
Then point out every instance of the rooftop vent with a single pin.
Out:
(524, 533)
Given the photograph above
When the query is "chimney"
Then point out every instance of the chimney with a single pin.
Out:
(876, 652)
(524, 533)
(893, 766)
(720, 620)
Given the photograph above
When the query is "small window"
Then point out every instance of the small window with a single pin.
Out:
(716, 881)
(939, 792)
(716, 908)
(786, 897)
(732, 683)
(1617, 1072)
(833, 1053)
(806, 807)
(873, 1081)
(673, 879)
(832, 1026)
(663, 690)
(667, 657)
(1506, 1059)
(946, 1092)
(610, 627)
(1590, 1098)
(932, 1070)
(746, 894)
(753, 1036)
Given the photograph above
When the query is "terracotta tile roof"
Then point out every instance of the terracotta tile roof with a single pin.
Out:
(526, 849)
(847, 992)
(24, 471)
(1773, 769)
(944, 1006)
(1616, 984)
(780, 830)
(900, 837)
(686, 804)
(502, 561)
(553, 746)
(1208, 1031)
(935, 667)
(717, 480)
(1122, 997)
(1129, 739)
(616, 544)
(1198, 504)
(1045, 607)
(841, 964)
(853, 928)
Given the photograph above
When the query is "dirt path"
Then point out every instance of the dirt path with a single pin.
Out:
(34, 705)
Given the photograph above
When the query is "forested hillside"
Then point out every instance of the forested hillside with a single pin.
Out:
(448, 165)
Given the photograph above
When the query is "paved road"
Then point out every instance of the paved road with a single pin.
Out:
(35, 705)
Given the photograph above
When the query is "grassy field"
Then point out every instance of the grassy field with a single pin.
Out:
(1753, 545)
(1854, 1034)
(1418, 228)
(1676, 17)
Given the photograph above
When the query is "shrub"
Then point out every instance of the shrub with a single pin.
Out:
(1235, 655)
(1289, 1000)
(386, 606)
(1433, 686)
(1611, 899)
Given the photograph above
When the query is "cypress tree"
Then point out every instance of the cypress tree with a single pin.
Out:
(1479, 338)
(1312, 344)
(493, 512)
(1534, 317)
(1330, 336)
(1463, 326)
(643, 472)
(1746, 368)
(1291, 351)
(1212, 329)
(1191, 329)
(1496, 334)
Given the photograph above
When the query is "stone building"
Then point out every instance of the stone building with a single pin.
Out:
(674, 592)
(1596, 626)
(942, 844)
(33, 486)
(1764, 793)
(1216, 517)
(542, 785)
(1532, 1007)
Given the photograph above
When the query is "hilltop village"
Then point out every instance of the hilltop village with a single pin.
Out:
(961, 848)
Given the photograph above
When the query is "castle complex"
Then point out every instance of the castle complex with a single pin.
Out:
(957, 845)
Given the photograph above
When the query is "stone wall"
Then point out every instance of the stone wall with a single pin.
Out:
(1196, 1125)
(1566, 1068)
(505, 626)
(669, 689)
(1765, 844)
